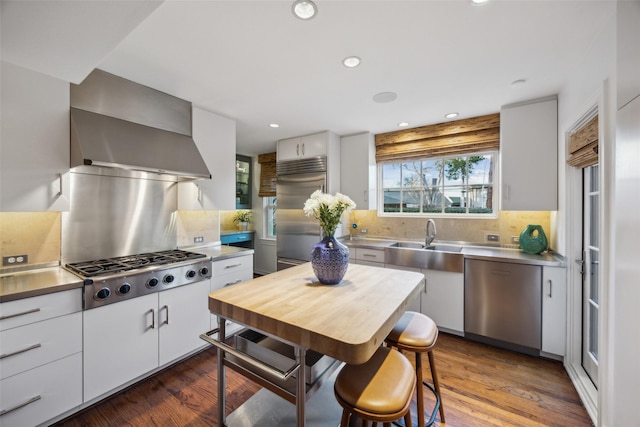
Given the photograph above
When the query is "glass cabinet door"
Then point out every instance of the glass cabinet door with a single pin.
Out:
(243, 182)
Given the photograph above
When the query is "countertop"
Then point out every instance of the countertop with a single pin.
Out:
(33, 283)
(471, 251)
(25, 284)
(292, 305)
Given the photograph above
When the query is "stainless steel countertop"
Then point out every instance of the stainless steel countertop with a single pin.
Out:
(25, 284)
(470, 251)
(15, 286)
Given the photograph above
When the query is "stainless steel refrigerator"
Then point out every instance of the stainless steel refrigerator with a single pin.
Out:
(297, 233)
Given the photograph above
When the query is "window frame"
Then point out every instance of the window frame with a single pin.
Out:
(495, 195)
(266, 205)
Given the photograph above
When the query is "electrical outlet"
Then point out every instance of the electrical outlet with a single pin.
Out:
(515, 239)
(15, 259)
(198, 239)
(363, 231)
(492, 237)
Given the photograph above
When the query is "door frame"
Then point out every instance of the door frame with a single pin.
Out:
(591, 397)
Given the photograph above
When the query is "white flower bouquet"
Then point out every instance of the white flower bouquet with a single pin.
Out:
(328, 209)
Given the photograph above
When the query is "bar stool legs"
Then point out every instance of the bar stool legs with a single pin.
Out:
(418, 334)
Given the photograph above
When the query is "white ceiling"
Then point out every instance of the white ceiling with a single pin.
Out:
(253, 61)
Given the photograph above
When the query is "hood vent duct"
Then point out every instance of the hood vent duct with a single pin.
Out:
(121, 124)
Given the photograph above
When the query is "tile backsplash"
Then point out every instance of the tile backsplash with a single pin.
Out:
(35, 234)
(192, 224)
(507, 225)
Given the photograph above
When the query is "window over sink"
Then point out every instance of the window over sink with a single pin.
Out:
(460, 185)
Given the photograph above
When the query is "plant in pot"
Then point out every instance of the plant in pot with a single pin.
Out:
(242, 219)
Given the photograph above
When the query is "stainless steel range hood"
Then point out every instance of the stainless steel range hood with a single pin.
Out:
(121, 124)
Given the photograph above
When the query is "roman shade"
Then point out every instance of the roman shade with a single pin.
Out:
(583, 145)
(267, 175)
(443, 139)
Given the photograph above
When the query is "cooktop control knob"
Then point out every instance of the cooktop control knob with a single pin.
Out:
(124, 289)
(204, 271)
(152, 283)
(168, 278)
(102, 294)
(191, 274)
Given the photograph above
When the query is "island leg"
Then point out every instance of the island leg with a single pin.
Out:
(222, 382)
(301, 386)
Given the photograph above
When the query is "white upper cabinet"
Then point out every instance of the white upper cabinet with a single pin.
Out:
(215, 137)
(628, 59)
(303, 146)
(358, 169)
(529, 155)
(34, 155)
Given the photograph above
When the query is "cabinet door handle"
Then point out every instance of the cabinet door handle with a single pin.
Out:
(20, 405)
(166, 321)
(550, 287)
(233, 283)
(60, 184)
(153, 318)
(9, 316)
(303, 149)
(507, 192)
(232, 266)
(370, 255)
(199, 195)
(31, 347)
(297, 149)
(365, 196)
(425, 285)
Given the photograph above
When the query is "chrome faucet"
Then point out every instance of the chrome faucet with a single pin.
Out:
(430, 236)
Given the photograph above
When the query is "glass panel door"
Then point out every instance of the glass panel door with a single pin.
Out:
(591, 251)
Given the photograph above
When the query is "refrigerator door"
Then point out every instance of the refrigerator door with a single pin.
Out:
(297, 233)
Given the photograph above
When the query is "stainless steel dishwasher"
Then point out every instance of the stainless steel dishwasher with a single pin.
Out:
(503, 304)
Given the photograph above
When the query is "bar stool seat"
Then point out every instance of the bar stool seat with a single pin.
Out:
(418, 333)
(378, 390)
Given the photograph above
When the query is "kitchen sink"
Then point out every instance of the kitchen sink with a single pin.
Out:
(435, 257)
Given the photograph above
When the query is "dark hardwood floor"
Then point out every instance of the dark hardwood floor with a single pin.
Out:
(481, 386)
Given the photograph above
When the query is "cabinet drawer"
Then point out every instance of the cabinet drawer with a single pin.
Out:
(39, 343)
(371, 255)
(231, 278)
(35, 309)
(51, 389)
(236, 238)
(232, 264)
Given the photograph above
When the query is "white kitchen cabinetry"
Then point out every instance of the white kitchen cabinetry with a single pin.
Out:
(358, 169)
(35, 153)
(302, 147)
(140, 326)
(215, 137)
(228, 272)
(41, 357)
(442, 299)
(529, 155)
(554, 310)
(372, 257)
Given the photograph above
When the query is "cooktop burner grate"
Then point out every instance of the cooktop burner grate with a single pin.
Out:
(131, 262)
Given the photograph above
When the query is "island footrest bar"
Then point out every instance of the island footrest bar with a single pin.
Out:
(252, 361)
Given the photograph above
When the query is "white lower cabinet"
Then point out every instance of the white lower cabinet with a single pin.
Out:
(40, 394)
(442, 300)
(554, 310)
(40, 357)
(228, 272)
(126, 340)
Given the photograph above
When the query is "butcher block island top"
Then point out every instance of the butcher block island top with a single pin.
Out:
(347, 321)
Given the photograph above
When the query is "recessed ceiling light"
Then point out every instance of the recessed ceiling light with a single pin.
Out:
(479, 2)
(274, 125)
(451, 115)
(403, 124)
(518, 82)
(304, 9)
(351, 61)
(384, 97)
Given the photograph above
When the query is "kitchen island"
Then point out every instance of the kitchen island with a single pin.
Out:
(347, 322)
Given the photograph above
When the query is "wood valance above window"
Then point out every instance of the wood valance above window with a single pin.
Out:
(267, 175)
(583, 145)
(443, 139)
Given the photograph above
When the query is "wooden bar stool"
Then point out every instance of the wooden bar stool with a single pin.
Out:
(379, 390)
(417, 333)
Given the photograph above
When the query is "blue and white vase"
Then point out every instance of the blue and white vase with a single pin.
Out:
(329, 259)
